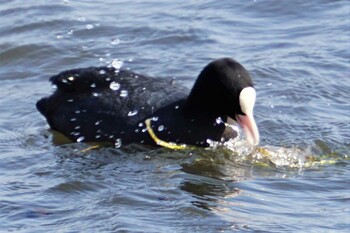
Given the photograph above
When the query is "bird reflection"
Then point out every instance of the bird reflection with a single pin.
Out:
(212, 179)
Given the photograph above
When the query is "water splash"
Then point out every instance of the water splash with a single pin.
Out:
(114, 86)
(115, 41)
(218, 120)
(117, 64)
(124, 93)
(281, 157)
(80, 139)
(118, 143)
(132, 113)
(81, 19)
(155, 118)
(267, 155)
(89, 26)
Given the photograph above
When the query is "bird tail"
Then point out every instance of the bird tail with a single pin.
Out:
(42, 106)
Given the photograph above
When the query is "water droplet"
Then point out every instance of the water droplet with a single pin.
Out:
(53, 86)
(77, 127)
(235, 128)
(71, 78)
(117, 64)
(97, 122)
(97, 136)
(108, 79)
(132, 113)
(155, 118)
(59, 37)
(73, 119)
(70, 32)
(272, 106)
(124, 93)
(96, 94)
(269, 84)
(70, 100)
(140, 124)
(115, 41)
(137, 130)
(89, 26)
(102, 71)
(114, 86)
(93, 85)
(210, 142)
(161, 128)
(177, 107)
(81, 19)
(111, 136)
(77, 112)
(80, 139)
(219, 120)
(144, 130)
(64, 81)
(118, 143)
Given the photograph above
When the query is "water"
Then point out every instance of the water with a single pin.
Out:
(298, 55)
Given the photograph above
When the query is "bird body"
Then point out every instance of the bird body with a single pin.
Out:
(104, 104)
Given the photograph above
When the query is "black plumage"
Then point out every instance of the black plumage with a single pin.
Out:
(100, 104)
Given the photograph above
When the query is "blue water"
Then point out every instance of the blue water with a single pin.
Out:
(298, 54)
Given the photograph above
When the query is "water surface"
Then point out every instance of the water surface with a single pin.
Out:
(298, 55)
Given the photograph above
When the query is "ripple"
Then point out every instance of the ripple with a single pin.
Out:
(76, 187)
(298, 67)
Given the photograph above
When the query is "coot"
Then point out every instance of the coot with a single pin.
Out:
(104, 104)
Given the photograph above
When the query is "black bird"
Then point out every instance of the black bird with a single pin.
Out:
(104, 104)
